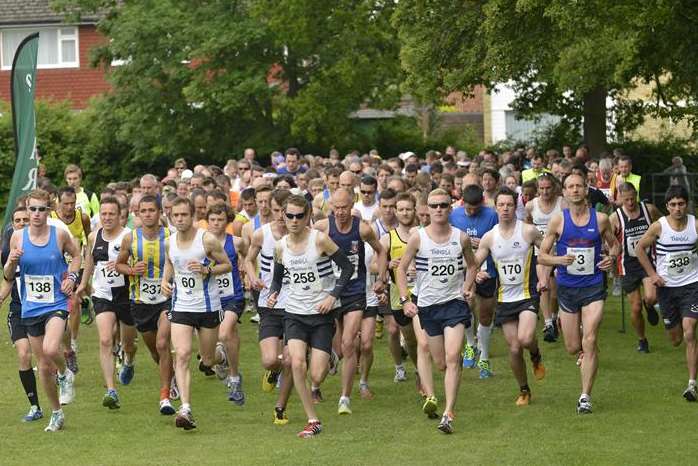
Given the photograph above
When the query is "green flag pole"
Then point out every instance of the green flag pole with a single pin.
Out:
(22, 87)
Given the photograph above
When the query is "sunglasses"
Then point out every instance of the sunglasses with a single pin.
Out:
(34, 208)
(357, 172)
(291, 216)
(242, 169)
(367, 193)
(442, 205)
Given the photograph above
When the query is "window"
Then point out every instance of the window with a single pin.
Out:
(58, 46)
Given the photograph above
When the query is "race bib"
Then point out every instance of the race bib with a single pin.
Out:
(107, 279)
(189, 283)
(150, 290)
(354, 259)
(225, 284)
(510, 271)
(305, 280)
(443, 272)
(583, 261)
(632, 245)
(680, 263)
(39, 288)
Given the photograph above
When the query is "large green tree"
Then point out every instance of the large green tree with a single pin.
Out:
(563, 57)
(206, 79)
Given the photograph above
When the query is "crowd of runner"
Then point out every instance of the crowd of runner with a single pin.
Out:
(328, 254)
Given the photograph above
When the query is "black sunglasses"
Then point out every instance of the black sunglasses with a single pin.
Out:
(34, 208)
(367, 193)
(443, 205)
(291, 216)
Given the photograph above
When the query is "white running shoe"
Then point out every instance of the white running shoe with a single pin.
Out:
(400, 374)
(221, 369)
(66, 389)
(56, 423)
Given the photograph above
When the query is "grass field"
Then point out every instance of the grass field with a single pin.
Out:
(639, 415)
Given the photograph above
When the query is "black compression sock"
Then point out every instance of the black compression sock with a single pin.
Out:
(28, 380)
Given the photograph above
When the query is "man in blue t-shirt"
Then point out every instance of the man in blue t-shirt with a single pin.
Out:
(475, 220)
(292, 165)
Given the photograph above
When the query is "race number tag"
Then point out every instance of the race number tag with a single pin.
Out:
(510, 271)
(305, 280)
(225, 284)
(442, 271)
(680, 263)
(107, 279)
(39, 288)
(632, 245)
(189, 283)
(583, 261)
(150, 290)
(354, 259)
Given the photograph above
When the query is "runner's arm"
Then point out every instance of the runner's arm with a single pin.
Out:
(381, 256)
(214, 250)
(477, 258)
(544, 257)
(408, 256)
(122, 266)
(337, 256)
(647, 241)
(89, 265)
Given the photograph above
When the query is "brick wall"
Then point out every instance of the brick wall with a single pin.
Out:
(74, 84)
(472, 104)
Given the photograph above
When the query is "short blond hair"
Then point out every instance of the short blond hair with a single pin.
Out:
(439, 192)
(39, 194)
(72, 168)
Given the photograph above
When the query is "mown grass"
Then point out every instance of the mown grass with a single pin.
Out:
(639, 416)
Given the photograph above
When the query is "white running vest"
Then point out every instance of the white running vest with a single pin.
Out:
(310, 276)
(193, 292)
(371, 298)
(265, 262)
(366, 211)
(440, 269)
(677, 262)
(541, 220)
(513, 258)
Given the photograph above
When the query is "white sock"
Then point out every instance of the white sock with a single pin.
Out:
(691, 381)
(548, 322)
(470, 335)
(584, 395)
(235, 378)
(400, 366)
(343, 398)
(58, 411)
(483, 335)
(363, 382)
(313, 387)
(186, 407)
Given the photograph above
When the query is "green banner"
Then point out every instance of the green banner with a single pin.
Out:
(23, 85)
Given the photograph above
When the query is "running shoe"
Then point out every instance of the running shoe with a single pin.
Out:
(690, 393)
(71, 360)
(549, 334)
(344, 406)
(87, 313)
(469, 357)
(429, 407)
(207, 370)
(316, 395)
(311, 429)
(269, 380)
(643, 346)
(236, 395)
(379, 327)
(538, 367)
(616, 287)
(66, 390)
(446, 424)
(652, 314)
(584, 405)
(221, 369)
(524, 398)
(126, 374)
(280, 418)
(400, 374)
(485, 369)
(255, 318)
(111, 400)
(365, 392)
(56, 423)
(34, 414)
(334, 363)
(174, 390)
(185, 420)
(166, 408)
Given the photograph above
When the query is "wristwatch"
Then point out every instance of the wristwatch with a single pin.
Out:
(404, 299)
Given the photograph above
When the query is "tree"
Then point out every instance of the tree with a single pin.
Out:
(206, 81)
(562, 57)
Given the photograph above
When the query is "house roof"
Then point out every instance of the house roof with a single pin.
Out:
(19, 12)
